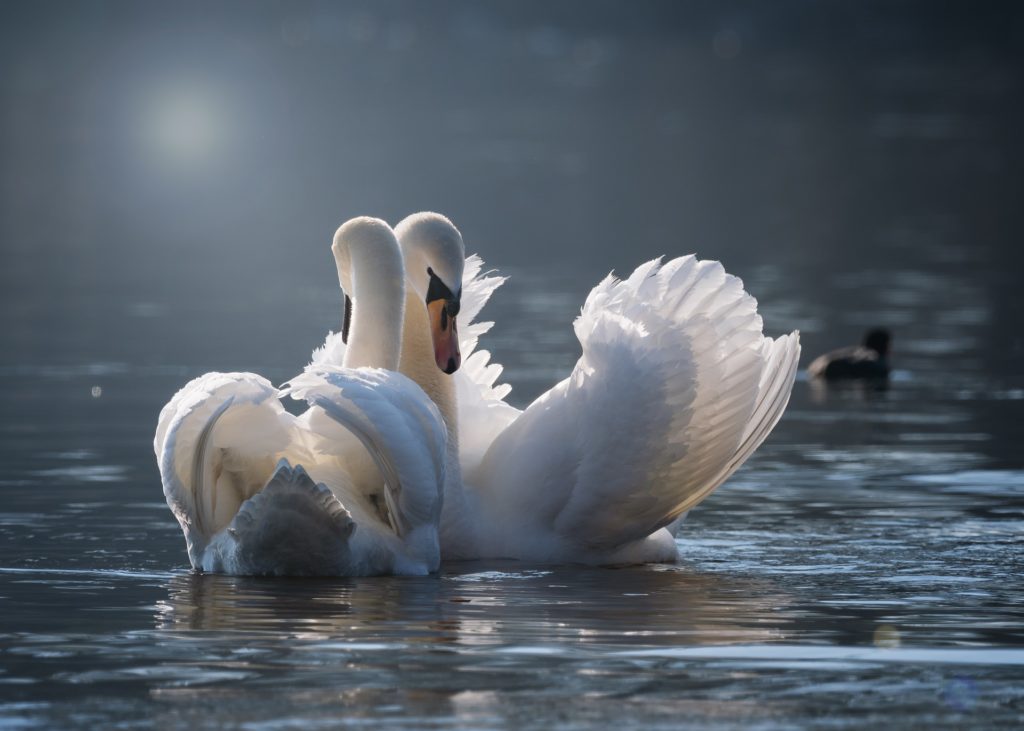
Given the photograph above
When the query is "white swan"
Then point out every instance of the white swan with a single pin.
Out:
(364, 496)
(675, 389)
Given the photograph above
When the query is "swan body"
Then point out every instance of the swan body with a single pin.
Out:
(352, 486)
(675, 389)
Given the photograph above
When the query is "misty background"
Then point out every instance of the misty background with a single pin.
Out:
(162, 161)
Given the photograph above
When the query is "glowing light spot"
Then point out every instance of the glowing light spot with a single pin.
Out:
(96, 391)
(185, 125)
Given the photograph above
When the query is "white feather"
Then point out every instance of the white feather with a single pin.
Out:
(482, 411)
(676, 387)
(225, 439)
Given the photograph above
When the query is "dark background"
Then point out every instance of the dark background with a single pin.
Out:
(157, 156)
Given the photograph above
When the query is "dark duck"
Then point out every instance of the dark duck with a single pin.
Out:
(867, 361)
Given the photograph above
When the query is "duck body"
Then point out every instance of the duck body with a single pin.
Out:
(850, 363)
(869, 361)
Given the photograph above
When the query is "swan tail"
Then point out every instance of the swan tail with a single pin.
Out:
(216, 444)
(292, 527)
(675, 389)
(397, 425)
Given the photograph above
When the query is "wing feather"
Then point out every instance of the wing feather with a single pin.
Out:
(675, 389)
(482, 410)
(217, 442)
(394, 420)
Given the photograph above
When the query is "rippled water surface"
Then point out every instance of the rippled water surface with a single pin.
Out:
(863, 570)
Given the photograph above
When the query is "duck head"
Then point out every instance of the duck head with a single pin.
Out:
(878, 341)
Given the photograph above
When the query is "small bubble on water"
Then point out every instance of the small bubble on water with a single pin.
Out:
(96, 391)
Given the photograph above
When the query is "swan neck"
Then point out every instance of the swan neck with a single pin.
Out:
(417, 362)
(377, 278)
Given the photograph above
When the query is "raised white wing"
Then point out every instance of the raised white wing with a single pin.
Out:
(482, 411)
(217, 443)
(226, 449)
(675, 389)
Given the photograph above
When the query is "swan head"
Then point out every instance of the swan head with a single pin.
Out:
(434, 257)
(366, 249)
(363, 233)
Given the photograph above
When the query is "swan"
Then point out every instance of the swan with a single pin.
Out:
(676, 387)
(350, 487)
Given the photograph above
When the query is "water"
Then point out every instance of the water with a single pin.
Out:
(863, 570)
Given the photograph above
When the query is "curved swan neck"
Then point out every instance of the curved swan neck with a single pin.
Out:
(431, 246)
(371, 273)
(417, 362)
(457, 518)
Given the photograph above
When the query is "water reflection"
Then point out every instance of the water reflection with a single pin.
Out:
(507, 646)
(465, 647)
(822, 391)
(469, 605)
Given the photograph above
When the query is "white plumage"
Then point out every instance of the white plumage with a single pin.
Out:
(352, 487)
(226, 447)
(675, 388)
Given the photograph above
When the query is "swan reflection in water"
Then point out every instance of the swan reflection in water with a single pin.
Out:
(504, 604)
(467, 646)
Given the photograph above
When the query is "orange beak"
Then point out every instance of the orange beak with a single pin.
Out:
(445, 336)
